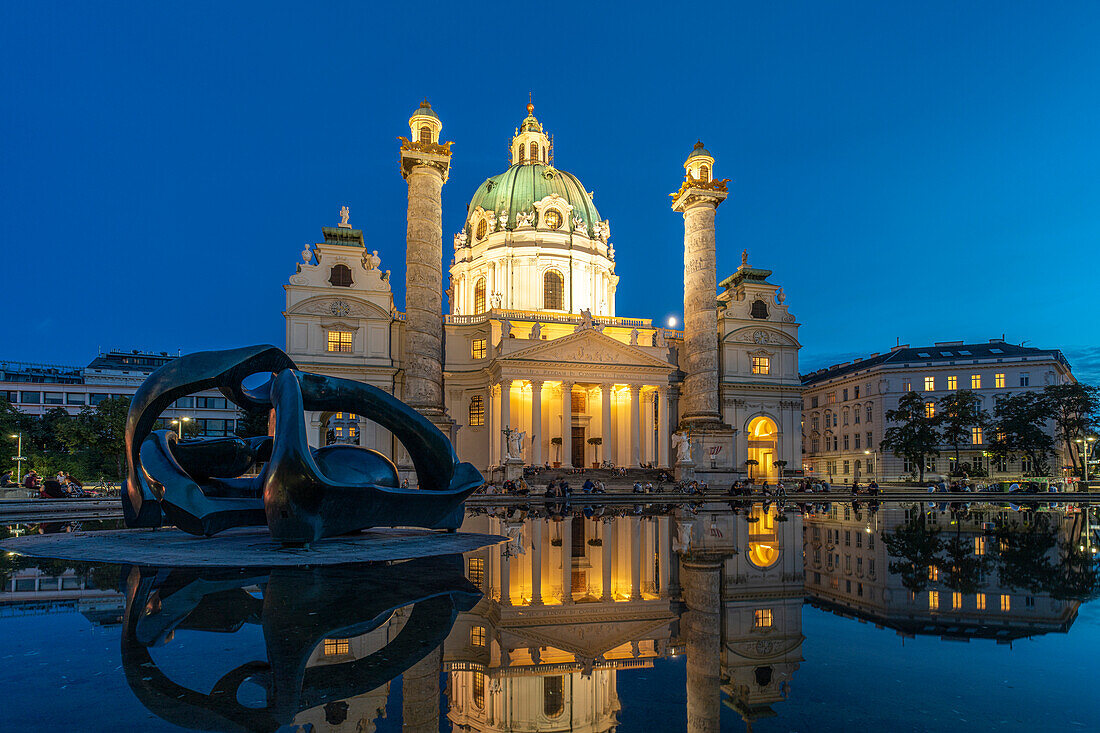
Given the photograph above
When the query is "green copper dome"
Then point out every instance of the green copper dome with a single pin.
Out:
(699, 150)
(518, 188)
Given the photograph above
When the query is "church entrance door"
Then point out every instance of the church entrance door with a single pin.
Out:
(578, 446)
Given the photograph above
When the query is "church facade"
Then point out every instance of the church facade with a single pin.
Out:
(532, 364)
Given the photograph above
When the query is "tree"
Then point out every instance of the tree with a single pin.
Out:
(749, 464)
(12, 422)
(252, 424)
(914, 436)
(1074, 409)
(597, 441)
(915, 545)
(959, 413)
(779, 466)
(1020, 429)
(101, 432)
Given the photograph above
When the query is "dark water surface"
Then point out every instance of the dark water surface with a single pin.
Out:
(643, 617)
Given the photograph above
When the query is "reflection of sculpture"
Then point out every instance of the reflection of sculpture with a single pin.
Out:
(302, 494)
(300, 608)
(682, 443)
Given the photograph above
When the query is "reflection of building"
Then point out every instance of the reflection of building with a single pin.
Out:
(32, 591)
(847, 572)
(844, 406)
(533, 340)
(743, 586)
(568, 604)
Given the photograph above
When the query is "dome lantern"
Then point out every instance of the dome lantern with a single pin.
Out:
(700, 164)
(530, 146)
(424, 125)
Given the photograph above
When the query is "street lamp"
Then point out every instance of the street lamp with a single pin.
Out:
(873, 454)
(1086, 449)
(19, 458)
(180, 422)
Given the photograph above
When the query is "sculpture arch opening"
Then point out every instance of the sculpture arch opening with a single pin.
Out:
(763, 439)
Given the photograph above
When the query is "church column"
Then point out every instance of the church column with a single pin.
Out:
(420, 694)
(566, 424)
(634, 452)
(424, 165)
(536, 423)
(567, 561)
(605, 421)
(635, 558)
(664, 547)
(491, 424)
(662, 427)
(698, 200)
(701, 580)
(505, 416)
(607, 558)
(536, 563)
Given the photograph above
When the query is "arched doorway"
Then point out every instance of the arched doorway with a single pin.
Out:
(763, 537)
(763, 438)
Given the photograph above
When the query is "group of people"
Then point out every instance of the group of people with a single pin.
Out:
(61, 486)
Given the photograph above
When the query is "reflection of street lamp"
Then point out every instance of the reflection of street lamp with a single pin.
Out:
(180, 422)
(19, 458)
(1086, 448)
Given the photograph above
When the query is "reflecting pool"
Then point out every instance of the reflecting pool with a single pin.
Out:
(699, 617)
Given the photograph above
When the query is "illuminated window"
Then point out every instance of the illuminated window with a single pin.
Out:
(952, 382)
(980, 601)
(477, 411)
(479, 690)
(975, 381)
(929, 384)
(534, 151)
(975, 436)
(425, 134)
(339, 341)
(479, 288)
(956, 600)
(762, 618)
(907, 386)
(553, 290)
(979, 545)
(999, 381)
(477, 348)
(762, 365)
(339, 431)
(482, 228)
(553, 219)
(340, 276)
(933, 600)
(336, 647)
(929, 409)
(477, 636)
(1006, 602)
(553, 696)
(475, 570)
(704, 173)
(933, 573)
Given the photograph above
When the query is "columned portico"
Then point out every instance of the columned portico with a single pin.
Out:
(609, 452)
(635, 444)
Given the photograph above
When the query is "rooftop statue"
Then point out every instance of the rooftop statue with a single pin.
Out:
(303, 494)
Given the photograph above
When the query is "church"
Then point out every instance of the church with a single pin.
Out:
(533, 365)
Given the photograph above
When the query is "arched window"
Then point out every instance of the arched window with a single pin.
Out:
(704, 173)
(479, 295)
(553, 290)
(340, 276)
(482, 226)
(552, 218)
(425, 134)
(477, 411)
(522, 154)
(534, 152)
(553, 696)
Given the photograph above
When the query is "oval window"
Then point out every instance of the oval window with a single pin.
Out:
(553, 219)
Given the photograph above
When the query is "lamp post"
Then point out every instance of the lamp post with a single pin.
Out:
(180, 421)
(1086, 449)
(19, 458)
(874, 457)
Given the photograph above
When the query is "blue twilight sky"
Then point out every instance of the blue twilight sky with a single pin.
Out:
(921, 171)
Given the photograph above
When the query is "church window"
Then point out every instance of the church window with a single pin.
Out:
(477, 348)
(553, 696)
(534, 152)
(553, 219)
(477, 411)
(762, 618)
(704, 173)
(522, 153)
(761, 365)
(482, 227)
(553, 290)
(479, 690)
(479, 293)
(339, 342)
(340, 276)
(425, 134)
(475, 570)
(477, 636)
(759, 309)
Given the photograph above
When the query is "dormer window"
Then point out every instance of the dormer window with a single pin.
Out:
(425, 134)
(340, 276)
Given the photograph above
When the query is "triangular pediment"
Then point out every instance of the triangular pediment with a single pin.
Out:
(588, 347)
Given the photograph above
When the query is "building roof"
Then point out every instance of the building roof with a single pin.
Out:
(519, 187)
(943, 353)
